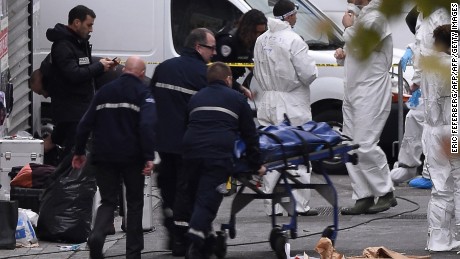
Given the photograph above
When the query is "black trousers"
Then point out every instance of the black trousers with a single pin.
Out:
(168, 171)
(64, 135)
(198, 198)
(108, 178)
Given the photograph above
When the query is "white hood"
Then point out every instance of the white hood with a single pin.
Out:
(275, 25)
(371, 18)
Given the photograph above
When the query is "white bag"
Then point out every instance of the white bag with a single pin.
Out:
(25, 233)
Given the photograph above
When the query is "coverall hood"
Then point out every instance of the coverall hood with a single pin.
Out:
(275, 25)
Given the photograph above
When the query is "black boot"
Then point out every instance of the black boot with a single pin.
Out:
(179, 241)
(96, 245)
(168, 223)
(209, 245)
(194, 251)
(361, 207)
(384, 203)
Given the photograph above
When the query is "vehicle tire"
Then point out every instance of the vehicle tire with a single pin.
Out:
(332, 166)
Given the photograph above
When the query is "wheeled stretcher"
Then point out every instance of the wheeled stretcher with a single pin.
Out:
(282, 154)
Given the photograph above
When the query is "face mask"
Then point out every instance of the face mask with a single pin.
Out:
(353, 8)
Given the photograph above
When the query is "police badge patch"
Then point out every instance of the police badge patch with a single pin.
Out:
(225, 50)
(83, 61)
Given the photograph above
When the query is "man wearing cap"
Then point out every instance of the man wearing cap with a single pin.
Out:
(284, 71)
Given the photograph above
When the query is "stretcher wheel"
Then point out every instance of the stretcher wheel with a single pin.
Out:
(280, 242)
(274, 235)
(293, 233)
(232, 232)
(220, 248)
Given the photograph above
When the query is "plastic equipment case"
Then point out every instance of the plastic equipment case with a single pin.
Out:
(27, 198)
(18, 152)
(147, 213)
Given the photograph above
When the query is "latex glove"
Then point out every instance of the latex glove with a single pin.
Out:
(406, 58)
(413, 100)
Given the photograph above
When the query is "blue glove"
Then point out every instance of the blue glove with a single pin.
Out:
(406, 58)
(413, 100)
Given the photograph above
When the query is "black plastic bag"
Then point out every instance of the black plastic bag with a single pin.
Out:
(8, 223)
(66, 206)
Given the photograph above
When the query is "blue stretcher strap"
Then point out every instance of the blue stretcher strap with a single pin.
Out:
(278, 142)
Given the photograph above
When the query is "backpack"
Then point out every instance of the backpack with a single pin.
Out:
(46, 68)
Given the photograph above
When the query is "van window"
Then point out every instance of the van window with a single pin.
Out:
(309, 19)
(187, 15)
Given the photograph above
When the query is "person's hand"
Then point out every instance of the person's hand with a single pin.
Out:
(348, 19)
(116, 61)
(246, 92)
(107, 63)
(406, 58)
(148, 168)
(414, 87)
(339, 53)
(78, 161)
(262, 170)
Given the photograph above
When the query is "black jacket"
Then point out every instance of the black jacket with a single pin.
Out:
(218, 116)
(231, 49)
(71, 85)
(122, 118)
(174, 82)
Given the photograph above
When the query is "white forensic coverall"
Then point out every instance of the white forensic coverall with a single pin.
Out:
(411, 144)
(411, 148)
(444, 205)
(367, 104)
(284, 71)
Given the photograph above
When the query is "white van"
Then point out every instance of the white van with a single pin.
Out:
(156, 30)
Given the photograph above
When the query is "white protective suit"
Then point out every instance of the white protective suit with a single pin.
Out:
(411, 146)
(367, 104)
(284, 71)
(444, 206)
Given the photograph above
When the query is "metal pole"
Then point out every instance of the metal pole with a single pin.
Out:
(400, 106)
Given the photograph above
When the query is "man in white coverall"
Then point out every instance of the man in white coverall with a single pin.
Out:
(411, 145)
(366, 106)
(444, 206)
(284, 71)
(424, 28)
(423, 41)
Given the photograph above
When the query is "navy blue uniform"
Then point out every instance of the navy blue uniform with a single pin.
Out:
(174, 82)
(231, 49)
(218, 116)
(121, 118)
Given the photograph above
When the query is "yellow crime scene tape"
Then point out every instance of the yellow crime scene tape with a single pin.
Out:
(252, 64)
(242, 64)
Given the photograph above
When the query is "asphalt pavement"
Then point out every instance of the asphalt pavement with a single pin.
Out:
(402, 229)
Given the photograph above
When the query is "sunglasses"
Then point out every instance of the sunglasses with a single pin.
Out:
(208, 47)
